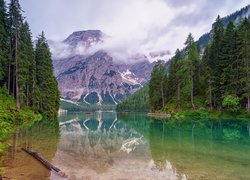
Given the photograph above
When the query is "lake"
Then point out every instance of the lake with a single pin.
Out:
(107, 145)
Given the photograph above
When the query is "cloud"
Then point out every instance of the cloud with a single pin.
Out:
(136, 26)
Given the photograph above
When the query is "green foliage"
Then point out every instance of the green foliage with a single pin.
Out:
(220, 78)
(20, 94)
(158, 86)
(243, 59)
(10, 117)
(28, 73)
(193, 113)
(231, 134)
(3, 42)
(231, 103)
(47, 97)
(138, 102)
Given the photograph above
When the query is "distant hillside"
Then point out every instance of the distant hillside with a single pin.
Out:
(138, 102)
(234, 17)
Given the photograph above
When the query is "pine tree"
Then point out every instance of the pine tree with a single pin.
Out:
(158, 86)
(48, 98)
(26, 66)
(3, 43)
(215, 59)
(192, 55)
(228, 59)
(172, 80)
(207, 76)
(15, 24)
(243, 52)
(184, 76)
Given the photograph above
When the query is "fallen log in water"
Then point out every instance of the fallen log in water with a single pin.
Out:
(46, 163)
(3, 177)
(159, 115)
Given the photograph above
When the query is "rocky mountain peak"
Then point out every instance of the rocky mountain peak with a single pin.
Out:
(95, 78)
(86, 38)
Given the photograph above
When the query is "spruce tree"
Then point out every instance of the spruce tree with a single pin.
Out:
(3, 43)
(243, 57)
(26, 66)
(15, 24)
(172, 79)
(207, 76)
(228, 61)
(192, 55)
(48, 98)
(215, 61)
(158, 86)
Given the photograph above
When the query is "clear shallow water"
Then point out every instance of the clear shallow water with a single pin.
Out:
(110, 146)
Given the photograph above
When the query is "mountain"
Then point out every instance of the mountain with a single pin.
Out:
(95, 77)
(234, 17)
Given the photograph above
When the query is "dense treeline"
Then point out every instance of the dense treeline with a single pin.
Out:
(216, 77)
(26, 72)
(85, 107)
(138, 102)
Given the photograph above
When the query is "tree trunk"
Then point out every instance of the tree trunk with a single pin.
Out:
(179, 95)
(162, 95)
(210, 94)
(16, 61)
(27, 94)
(9, 74)
(192, 96)
(192, 99)
(46, 163)
(248, 84)
(33, 93)
(13, 80)
(248, 103)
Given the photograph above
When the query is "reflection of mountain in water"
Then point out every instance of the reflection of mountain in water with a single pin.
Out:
(103, 135)
(102, 146)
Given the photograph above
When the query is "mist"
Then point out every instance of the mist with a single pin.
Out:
(135, 27)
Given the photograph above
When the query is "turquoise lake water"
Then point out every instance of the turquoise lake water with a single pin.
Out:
(107, 145)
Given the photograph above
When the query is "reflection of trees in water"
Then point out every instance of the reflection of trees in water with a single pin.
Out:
(43, 136)
(39, 136)
(192, 142)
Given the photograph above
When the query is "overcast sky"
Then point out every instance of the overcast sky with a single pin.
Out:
(136, 25)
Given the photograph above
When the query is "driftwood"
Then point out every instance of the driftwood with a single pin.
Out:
(159, 115)
(3, 177)
(46, 163)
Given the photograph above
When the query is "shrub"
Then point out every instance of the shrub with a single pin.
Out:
(232, 103)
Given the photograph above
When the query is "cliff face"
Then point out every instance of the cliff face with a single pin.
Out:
(96, 78)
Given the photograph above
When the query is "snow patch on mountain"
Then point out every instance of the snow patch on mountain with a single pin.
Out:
(130, 77)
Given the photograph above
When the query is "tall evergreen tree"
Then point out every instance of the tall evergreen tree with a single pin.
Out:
(3, 43)
(243, 52)
(192, 55)
(172, 79)
(215, 62)
(228, 59)
(26, 65)
(207, 76)
(15, 24)
(48, 97)
(158, 86)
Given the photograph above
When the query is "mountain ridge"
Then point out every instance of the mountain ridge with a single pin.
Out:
(96, 78)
